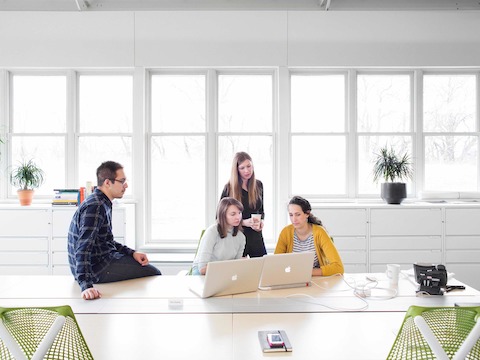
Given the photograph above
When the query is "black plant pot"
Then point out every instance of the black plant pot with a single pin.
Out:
(394, 193)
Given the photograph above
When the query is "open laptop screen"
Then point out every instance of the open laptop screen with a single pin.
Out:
(287, 270)
(229, 277)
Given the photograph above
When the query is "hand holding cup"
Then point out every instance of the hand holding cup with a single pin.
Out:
(256, 221)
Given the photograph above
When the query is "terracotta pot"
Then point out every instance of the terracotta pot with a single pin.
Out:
(25, 197)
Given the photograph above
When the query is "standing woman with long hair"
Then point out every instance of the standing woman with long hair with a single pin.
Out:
(244, 187)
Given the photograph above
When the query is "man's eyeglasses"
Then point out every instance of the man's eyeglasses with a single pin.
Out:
(121, 181)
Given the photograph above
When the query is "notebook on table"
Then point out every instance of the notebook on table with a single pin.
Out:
(228, 277)
(286, 270)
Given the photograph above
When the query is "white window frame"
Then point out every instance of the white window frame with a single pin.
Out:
(412, 133)
(346, 134)
(421, 135)
(212, 135)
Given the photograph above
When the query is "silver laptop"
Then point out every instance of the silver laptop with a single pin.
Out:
(287, 270)
(228, 277)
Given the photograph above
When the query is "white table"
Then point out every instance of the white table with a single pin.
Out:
(348, 336)
(158, 336)
(137, 318)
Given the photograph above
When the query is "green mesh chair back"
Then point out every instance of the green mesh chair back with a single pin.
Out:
(196, 251)
(26, 334)
(451, 326)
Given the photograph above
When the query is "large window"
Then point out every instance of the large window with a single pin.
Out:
(245, 123)
(184, 139)
(39, 125)
(178, 156)
(310, 132)
(67, 144)
(384, 118)
(104, 124)
(318, 128)
(449, 126)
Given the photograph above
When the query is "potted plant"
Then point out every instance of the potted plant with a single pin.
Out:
(27, 176)
(393, 169)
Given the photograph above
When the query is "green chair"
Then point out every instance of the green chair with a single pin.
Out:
(196, 251)
(41, 333)
(438, 333)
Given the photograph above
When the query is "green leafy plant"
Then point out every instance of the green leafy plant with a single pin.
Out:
(27, 175)
(391, 167)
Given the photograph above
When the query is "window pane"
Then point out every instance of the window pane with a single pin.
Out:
(383, 103)
(368, 146)
(177, 187)
(318, 165)
(105, 103)
(260, 148)
(48, 152)
(318, 103)
(93, 150)
(178, 103)
(245, 103)
(451, 163)
(39, 104)
(449, 103)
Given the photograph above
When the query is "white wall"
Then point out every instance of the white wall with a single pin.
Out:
(210, 38)
(66, 39)
(243, 38)
(441, 38)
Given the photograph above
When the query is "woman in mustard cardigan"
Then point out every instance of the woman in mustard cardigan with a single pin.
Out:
(306, 233)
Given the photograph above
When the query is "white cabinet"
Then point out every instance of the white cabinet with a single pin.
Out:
(61, 218)
(348, 228)
(405, 236)
(24, 241)
(406, 221)
(34, 240)
(462, 244)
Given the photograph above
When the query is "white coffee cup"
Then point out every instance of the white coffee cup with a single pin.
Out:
(256, 218)
(393, 273)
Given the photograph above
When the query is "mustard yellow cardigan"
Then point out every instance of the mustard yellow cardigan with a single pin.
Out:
(327, 253)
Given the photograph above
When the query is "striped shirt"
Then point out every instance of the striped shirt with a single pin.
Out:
(305, 245)
(91, 246)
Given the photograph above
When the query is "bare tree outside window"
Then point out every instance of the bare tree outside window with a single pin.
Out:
(384, 111)
(245, 113)
(105, 124)
(39, 119)
(177, 157)
(451, 149)
(318, 128)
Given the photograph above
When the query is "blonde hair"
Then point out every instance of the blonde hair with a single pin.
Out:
(235, 183)
(222, 225)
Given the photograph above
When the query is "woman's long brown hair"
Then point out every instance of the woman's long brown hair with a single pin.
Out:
(222, 225)
(235, 183)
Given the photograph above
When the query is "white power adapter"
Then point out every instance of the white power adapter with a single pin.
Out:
(362, 290)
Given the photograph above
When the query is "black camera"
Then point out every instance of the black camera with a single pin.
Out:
(432, 279)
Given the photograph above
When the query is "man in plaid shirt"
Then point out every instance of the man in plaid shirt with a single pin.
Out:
(93, 254)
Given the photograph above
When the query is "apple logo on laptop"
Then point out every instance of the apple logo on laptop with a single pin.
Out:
(288, 269)
(234, 277)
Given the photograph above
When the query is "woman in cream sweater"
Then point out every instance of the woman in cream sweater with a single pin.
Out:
(223, 240)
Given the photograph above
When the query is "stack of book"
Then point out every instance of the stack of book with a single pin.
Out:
(66, 197)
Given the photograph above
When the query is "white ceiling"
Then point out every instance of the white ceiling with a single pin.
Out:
(311, 5)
